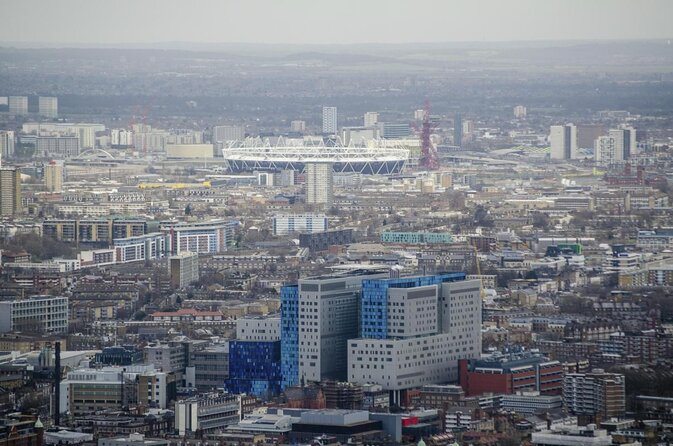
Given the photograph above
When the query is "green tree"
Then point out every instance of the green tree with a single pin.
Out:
(482, 217)
(40, 248)
(541, 221)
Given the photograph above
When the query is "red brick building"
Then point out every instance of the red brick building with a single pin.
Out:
(508, 374)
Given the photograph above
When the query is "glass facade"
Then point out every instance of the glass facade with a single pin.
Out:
(289, 335)
(254, 368)
(374, 303)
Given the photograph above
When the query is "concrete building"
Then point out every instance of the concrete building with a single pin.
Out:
(93, 230)
(520, 112)
(618, 146)
(53, 176)
(563, 140)
(298, 126)
(189, 151)
(321, 241)
(414, 330)
(37, 314)
(605, 151)
(359, 136)
(588, 133)
(48, 106)
(10, 191)
(371, 119)
(140, 248)
(394, 130)
(6, 143)
(329, 120)
(228, 133)
(87, 390)
(85, 131)
(625, 141)
(572, 436)
(184, 269)
(133, 439)
(207, 237)
(530, 403)
(319, 184)
(206, 413)
(262, 328)
(121, 138)
(18, 105)
(208, 368)
(308, 223)
(168, 356)
(597, 394)
(458, 130)
(62, 146)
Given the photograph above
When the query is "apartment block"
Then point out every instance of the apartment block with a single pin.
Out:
(37, 314)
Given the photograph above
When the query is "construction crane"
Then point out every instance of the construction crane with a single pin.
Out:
(481, 279)
(428, 151)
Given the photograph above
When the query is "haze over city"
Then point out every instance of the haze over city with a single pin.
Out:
(389, 223)
(349, 21)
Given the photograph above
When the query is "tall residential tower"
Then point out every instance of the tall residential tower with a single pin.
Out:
(563, 139)
(319, 184)
(329, 120)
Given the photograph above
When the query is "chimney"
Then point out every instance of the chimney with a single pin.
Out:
(57, 385)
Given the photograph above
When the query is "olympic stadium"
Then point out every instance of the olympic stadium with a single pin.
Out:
(377, 158)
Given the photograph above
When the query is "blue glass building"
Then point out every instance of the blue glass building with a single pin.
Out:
(254, 368)
(289, 335)
(374, 303)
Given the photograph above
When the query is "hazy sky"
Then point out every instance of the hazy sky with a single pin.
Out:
(330, 21)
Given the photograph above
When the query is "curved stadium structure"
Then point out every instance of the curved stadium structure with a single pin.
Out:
(376, 158)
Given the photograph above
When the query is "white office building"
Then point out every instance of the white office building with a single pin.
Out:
(85, 131)
(371, 119)
(563, 140)
(207, 413)
(329, 120)
(417, 335)
(262, 328)
(284, 224)
(572, 436)
(228, 133)
(208, 237)
(359, 136)
(7, 143)
(18, 105)
(48, 106)
(319, 184)
(37, 314)
(618, 146)
(298, 126)
(530, 403)
(87, 390)
(151, 246)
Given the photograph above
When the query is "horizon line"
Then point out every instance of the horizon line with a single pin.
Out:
(139, 44)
